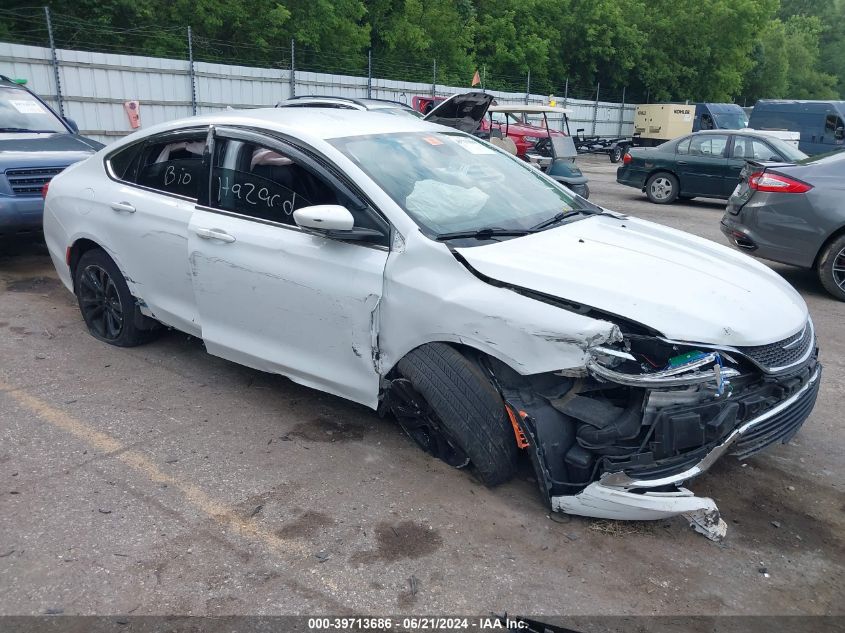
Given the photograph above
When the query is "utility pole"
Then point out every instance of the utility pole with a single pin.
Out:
(292, 68)
(55, 62)
(191, 72)
(434, 79)
(528, 86)
(369, 73)
(596, 109)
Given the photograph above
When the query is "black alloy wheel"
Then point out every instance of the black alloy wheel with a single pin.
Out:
(100, 303)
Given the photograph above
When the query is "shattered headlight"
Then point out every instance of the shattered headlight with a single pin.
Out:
(644, 361)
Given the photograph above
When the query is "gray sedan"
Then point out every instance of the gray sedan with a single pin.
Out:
(793, 213)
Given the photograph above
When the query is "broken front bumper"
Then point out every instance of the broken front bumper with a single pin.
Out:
(619, 496)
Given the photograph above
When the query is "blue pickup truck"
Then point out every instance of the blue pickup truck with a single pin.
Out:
(35, 145)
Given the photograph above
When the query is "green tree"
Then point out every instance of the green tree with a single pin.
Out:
(768, 78)
(408, 35)
(701, 55)
(805, 80)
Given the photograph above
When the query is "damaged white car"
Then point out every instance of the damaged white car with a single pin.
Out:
(427, 274)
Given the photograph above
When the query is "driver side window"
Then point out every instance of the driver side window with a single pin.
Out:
(260, 182)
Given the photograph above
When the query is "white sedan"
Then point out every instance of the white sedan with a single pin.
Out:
(421, 271)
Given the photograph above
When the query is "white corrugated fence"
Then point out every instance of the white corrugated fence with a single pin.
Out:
(94, 87)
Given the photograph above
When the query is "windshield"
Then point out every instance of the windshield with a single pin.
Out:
(449, 182)
(731, 120)
(21, 112)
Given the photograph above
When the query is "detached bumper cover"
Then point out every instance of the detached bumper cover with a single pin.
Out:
(619, 496)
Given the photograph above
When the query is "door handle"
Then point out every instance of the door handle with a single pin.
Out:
(122, 207)
(682, 162)
(214, 234)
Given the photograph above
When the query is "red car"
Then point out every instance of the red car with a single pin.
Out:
(512, 121)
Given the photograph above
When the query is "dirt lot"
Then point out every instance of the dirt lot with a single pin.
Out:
(161, 480)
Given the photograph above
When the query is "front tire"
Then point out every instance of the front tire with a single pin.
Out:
(831, 268)
(108, 308)
(662, 188)
(616, 154)
(467, 406)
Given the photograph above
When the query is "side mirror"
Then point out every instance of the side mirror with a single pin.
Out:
(839, 134)
(72, 125)
(324, 217)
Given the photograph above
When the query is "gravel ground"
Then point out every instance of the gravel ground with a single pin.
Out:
(162, 480)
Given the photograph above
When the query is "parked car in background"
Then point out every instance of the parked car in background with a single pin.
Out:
(35, 145)
(706, 164)
(793, 213)
(820, 123)
(419, 271)
(425, 104)
(384, 106)
(512, 120)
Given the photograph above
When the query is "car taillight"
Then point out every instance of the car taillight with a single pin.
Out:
(44, 189)
(626, 158)
(762, 181)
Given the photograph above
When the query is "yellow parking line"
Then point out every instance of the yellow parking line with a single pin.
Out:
(105, 443)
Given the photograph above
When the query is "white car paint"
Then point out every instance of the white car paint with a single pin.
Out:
(683, 286)
(338, 316)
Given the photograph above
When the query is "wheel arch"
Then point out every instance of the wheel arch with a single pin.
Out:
(657, 170)
(830, 238)
(75, 253)
(84, 243)
(468, 348)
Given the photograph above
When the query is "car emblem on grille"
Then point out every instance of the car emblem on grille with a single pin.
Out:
(798, 340)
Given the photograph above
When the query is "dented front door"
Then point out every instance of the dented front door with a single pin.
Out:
(286, 301)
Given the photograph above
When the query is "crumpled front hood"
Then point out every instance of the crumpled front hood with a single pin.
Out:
(686, 287)
(20, 150)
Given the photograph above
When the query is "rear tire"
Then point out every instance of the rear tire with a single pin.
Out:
(108, 308)
(467, 405)
(662, 188)
(831, 268)
(616, 154)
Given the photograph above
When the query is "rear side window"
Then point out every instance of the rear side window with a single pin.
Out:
(752, 149)
(173, 166)
(683, 146)
(124, 163)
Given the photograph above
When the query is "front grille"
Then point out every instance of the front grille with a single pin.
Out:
(782, 354)
(29, 181)
(779, 428)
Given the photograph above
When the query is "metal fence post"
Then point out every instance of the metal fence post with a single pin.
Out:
(369, 73)
(596, 109)
(191, 72)
(55, 62)
(621, 112)
(434, 78)
(292, 68)
(566, 93)
(527, 86)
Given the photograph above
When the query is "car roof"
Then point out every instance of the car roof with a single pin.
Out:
(741, 132)
(305, 123)
(528, 109)
(368, 104)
